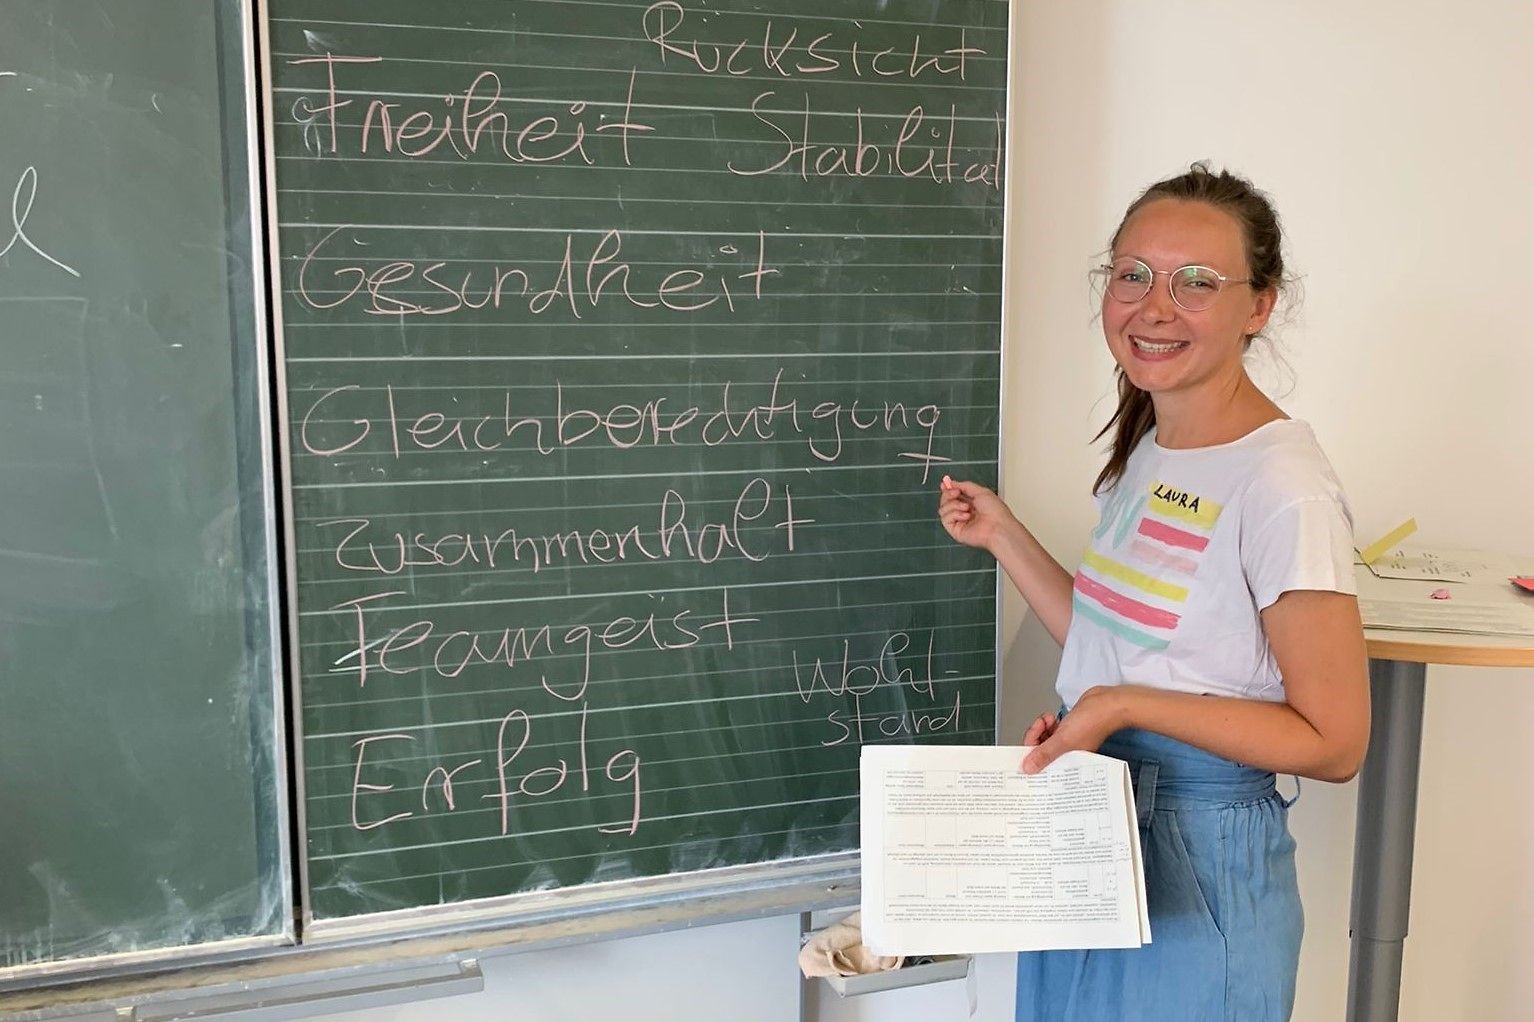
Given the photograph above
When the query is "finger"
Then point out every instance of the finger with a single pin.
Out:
(970, 490)
(953, 514)
(1040, 757)
(1037, 731)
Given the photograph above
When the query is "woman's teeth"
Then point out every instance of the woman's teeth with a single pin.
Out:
(1155, 348)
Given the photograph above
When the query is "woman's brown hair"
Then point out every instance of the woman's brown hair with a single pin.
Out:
(1135, 415)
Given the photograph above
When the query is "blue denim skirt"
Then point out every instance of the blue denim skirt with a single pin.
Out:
(1223, 898)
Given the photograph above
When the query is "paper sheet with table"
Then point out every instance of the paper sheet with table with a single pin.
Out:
(963, 853)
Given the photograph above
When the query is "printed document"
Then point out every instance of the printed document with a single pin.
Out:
(1442, 565)
(1475, 618)
(964, 854)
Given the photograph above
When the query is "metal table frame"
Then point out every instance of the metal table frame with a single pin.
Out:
(1382, 846)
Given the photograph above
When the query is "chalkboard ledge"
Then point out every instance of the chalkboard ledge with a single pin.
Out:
(556, 919)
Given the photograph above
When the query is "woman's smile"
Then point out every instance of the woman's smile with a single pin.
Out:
(1155, 349)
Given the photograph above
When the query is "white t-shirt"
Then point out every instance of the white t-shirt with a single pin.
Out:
(1191, 546)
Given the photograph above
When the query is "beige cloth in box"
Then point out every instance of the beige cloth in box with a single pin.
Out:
(838, 950)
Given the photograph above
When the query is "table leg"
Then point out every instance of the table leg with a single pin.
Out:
(1382, 847)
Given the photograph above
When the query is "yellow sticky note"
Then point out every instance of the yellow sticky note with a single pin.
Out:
(1374, 551)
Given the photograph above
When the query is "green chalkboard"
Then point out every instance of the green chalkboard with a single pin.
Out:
(140, 802)
(625, 345)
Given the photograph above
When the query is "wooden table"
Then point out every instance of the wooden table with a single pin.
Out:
(1387, 785)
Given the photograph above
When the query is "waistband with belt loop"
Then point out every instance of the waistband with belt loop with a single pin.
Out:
(1168, 774)
(1145, 791)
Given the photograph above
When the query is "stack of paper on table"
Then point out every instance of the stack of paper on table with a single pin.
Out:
(963, 853)
(1455, 615)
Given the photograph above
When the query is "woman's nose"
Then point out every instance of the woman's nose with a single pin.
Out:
(1157, 306)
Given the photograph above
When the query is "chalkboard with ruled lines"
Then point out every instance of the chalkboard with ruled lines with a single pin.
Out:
(142, 801)
(624, 346)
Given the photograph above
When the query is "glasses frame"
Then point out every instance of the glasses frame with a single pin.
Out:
(1106, 272)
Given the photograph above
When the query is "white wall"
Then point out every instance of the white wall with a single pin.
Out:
(1395, 137)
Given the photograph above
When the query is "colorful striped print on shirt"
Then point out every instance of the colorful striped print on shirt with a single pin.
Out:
(1137, 589)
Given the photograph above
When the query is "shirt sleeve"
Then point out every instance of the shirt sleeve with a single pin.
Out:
(1307, 544)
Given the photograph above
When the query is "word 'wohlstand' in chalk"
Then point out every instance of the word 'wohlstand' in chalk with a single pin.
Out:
(920, 710)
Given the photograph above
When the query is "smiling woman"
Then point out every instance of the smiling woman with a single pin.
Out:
(1211, 635)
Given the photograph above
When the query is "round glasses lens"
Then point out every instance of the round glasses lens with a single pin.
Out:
(1129, 280)
(1195, 287)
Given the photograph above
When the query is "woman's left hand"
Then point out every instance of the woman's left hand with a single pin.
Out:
(1097, 714)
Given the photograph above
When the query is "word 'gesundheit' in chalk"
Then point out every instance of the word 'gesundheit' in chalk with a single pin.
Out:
(570, 278)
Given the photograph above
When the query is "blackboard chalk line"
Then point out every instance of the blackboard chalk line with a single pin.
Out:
(838, 19)
(432, 845)
(597, 104)
(988, 208)
(798, 264)
(702, 357)
(598, 477)
(382, 323)
(595, 711)
(555, 597)
(609, 653)
(860, 84)
(722, 502)
(596, 685)
(481, 196)
(627, 232)
(569, 568)
(606, 653)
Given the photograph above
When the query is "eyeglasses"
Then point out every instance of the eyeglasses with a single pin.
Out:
(1194, 288)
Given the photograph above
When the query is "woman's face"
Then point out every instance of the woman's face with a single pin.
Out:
(1162, 347)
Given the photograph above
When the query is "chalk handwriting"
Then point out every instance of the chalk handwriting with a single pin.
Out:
(350, 420)
(862, 725)
(674, 535)
(480, 118)
(448, 653)
(858, 680)
(511, 781)
(578, 285)
(789, 54)
(922, 147)
(21, 207)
